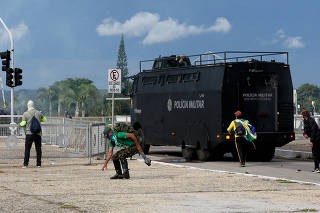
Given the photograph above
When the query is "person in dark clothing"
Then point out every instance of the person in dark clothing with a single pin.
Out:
(311, 130)
(129, 146)
(30, 136)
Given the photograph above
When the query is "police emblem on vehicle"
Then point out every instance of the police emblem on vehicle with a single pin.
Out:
(169, 105)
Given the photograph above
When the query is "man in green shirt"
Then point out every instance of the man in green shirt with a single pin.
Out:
(129, 146)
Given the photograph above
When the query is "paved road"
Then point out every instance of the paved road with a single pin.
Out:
(73, 186)
(298, 170)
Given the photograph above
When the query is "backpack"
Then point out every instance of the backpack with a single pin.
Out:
(240, 130)
(124, 127)
(35, 126)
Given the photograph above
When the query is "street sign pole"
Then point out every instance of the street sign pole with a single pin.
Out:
(115, 99)
(114, 86)
(112, 117)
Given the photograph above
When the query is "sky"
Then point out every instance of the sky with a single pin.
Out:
(55, 40)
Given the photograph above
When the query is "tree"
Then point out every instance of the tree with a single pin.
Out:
(306, 94)
(122, 64)
(42, 100)
(89, 99)
(68, 95)
(121, 107)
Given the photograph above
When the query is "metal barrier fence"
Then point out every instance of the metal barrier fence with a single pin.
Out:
(298, 122)
(61, 138)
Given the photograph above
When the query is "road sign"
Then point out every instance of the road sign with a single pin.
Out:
(114, 81)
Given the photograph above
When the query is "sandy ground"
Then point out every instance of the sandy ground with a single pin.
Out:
(70, 185)
(51, 151)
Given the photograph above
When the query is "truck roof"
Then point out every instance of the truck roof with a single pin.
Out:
(211, 58)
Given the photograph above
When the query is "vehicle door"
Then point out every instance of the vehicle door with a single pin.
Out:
(258, 99)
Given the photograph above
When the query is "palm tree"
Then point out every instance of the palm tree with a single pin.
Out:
(87, 92)
(42, 99)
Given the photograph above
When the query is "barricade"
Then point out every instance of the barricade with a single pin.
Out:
(61, 138)
(298, 122)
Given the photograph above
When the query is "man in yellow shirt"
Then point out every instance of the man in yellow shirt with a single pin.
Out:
(237, 128)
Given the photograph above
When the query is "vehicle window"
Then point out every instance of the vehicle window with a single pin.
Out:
(190, 77)
(172, 63)
(172, 79)
(259, 80)
(149, 80)
(157, 64)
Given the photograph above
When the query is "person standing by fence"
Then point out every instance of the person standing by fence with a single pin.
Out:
(32, 119)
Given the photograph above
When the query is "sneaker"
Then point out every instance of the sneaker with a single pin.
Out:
(117, 176)
(39, 166)
(316, 171)
(243, 165)
(24, 167)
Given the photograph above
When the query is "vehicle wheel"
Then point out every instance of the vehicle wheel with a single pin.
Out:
(264, 153)
(140, 137)
(203, 154)
(218, 152)
(188, 153)
(268, 153)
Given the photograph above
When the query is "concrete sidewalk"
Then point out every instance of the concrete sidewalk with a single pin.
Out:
(296, 149)
(72, 186)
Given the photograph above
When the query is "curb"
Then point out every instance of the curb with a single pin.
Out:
(292, 154)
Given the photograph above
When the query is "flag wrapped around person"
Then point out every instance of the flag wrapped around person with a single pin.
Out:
(251, 134)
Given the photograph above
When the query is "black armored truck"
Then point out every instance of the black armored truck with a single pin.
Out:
(189, 101)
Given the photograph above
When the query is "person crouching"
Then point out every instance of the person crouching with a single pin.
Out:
(129, 146)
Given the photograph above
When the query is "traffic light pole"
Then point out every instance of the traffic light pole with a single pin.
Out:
(11, 66)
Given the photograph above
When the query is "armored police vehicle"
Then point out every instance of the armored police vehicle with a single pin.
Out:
(189, 101)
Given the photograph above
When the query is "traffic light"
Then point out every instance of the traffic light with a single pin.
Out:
(17, 77)
(9, 77)
(5, 56)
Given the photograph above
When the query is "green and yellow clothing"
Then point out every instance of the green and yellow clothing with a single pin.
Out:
(120, 139)
(27, 116)
(232, 126)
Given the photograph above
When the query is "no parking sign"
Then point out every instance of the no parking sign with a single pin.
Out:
(114, 81)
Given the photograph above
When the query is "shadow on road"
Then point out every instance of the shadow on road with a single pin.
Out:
(174, 155)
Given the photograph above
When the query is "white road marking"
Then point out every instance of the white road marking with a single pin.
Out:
(236, 173)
